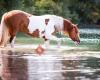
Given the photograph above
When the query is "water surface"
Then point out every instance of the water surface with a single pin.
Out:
(52, 65)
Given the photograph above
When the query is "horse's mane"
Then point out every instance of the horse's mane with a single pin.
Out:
(69, 24)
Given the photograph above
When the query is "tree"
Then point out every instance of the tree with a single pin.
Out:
(28, 6)
(47, 6)
(88, 10)
(7, 5)
(2, 7)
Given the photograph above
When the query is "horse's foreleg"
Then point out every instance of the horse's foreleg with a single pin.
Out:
(48, 34)
(59, 43)
(52, 37)
(47, 43)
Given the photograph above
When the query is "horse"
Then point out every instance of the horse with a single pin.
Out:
(43, 26)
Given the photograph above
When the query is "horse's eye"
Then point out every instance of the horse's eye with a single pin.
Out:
(76, 31)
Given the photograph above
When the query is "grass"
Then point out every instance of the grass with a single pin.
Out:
(24, 39)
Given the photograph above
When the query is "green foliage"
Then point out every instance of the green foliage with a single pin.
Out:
(28, 6)
(12, 4)
(85, 11)
(7, 5)
(47, 6)
(2, 7)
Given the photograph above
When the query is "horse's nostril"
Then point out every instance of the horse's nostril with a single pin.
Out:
(78, 42)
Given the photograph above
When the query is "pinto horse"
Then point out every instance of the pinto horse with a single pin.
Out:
(44, 26)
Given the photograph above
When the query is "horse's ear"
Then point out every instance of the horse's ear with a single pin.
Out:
(76, 24)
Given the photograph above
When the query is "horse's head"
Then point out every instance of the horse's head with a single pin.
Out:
(71, 30)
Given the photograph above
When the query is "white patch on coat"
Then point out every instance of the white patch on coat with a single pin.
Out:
(38, 22)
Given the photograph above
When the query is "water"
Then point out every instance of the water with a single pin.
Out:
(90, 33)
(53, 65)
(67, 63)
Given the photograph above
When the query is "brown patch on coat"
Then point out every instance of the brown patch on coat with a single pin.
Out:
(17, 21)
(46, 21)
(67, 25)
(35, 33)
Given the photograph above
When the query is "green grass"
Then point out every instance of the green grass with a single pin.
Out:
(24, 39)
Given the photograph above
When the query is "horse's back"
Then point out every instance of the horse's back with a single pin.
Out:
(18, 12)
(15, 14)
(16, 19)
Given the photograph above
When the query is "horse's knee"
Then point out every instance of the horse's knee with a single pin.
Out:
(11, 39)
(12, 35)
(45, 39)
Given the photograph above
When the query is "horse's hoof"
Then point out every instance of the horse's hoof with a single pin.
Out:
(12, 46)
(2, 46)
(58, 46)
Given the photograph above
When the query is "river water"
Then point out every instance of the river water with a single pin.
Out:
(53, 65)
(66, 63)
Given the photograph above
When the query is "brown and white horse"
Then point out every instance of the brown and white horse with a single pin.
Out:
(43, 26)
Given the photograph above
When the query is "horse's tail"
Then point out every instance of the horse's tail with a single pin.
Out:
(1, 27)
(3, 31)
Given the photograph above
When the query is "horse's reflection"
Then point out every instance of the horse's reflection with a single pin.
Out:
(13, 67)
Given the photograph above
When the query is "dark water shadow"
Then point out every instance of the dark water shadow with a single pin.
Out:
(19, 66)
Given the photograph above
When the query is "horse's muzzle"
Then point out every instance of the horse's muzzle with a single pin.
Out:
(77, 42)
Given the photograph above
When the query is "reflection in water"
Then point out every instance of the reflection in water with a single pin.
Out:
(48, 67)
(13, 67)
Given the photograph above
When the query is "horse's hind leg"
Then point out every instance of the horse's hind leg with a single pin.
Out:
(12, 41)
(5, 37)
